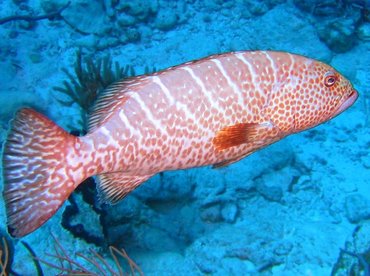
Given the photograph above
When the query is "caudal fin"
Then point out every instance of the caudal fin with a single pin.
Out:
(36, 177)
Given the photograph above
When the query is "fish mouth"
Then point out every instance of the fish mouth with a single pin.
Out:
(347, 103)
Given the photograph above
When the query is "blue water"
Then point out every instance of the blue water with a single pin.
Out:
(298, 207)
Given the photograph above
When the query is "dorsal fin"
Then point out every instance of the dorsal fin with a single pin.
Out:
(115, 186)
(108, 100)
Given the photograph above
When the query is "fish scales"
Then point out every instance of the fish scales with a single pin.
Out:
(208, 94)
(212, 111)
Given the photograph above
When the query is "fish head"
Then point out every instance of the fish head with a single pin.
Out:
(321, 95)
(311, 94)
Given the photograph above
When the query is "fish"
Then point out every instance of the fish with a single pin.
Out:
(212, 111)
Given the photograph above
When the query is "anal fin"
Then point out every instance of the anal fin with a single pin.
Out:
(115, 186)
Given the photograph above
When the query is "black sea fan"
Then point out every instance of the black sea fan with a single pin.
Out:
(89, 78)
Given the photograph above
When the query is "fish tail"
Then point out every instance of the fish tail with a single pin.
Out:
(36, 176)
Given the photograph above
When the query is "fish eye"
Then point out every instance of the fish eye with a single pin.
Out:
(330, 80)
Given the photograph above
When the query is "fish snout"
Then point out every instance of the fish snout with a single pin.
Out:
(350, 100)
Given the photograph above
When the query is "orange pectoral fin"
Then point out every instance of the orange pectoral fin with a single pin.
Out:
(236, 135)
(243, 133)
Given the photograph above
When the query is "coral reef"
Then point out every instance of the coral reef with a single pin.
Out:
(338, 35)
(6, 254)
(363, 259)
(4, 257)
(116, 263)
(354, 258)
(36, 262)
(363, 31)
(166, 20)
(259, 216)
(51, 15)
(83, 201)
(357, 208)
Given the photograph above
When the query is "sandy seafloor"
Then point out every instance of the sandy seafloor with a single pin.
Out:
(286, 210)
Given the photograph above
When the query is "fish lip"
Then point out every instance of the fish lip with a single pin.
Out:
(347, 103)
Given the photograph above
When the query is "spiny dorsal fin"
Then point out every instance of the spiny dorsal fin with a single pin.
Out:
(109, 99)
(115, 186)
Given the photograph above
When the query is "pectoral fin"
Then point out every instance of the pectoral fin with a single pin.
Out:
(236, 135)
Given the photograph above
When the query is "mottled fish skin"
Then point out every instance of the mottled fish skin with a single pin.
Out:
(169, 120)
(213, 111)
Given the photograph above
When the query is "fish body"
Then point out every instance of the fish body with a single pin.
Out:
(212, 111)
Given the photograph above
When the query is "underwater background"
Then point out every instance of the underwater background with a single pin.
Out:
(298, 207)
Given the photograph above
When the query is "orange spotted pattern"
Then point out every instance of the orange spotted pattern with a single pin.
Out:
(212, 111)
(175, 115)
